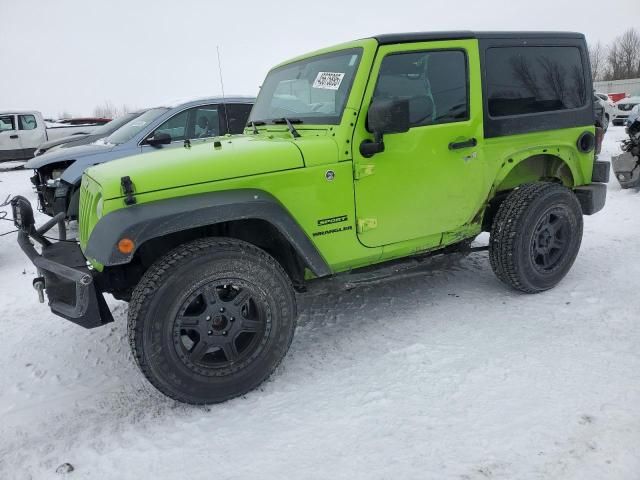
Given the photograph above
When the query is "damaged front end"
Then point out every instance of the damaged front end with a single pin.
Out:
(626, 166)
(54, 194)
(63, 273)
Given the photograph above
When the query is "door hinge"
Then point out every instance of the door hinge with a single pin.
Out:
(365, 224)
(363, 171)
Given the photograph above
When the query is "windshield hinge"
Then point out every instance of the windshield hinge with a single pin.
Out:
(365, 224)
(128, 190)
(362, 171)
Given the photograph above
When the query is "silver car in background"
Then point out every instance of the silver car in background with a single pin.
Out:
(58, 173)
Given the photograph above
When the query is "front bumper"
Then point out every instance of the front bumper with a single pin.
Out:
(62, 268)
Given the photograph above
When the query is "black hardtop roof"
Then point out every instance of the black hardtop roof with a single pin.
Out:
(390, 38)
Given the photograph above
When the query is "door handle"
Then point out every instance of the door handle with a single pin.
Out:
(13, 136)
(472, 142)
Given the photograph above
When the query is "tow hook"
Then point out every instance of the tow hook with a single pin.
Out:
(38, 284)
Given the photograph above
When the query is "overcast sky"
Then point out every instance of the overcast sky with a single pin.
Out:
(68, 55)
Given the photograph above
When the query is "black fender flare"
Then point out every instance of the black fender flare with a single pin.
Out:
(145, 221)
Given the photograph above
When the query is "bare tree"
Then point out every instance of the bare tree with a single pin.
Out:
(623, 56)
(525, 74)
(629, 47)
(554, 77)
(109, 110)
(106, 110)
(597, 56)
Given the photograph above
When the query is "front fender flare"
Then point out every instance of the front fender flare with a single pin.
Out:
(145, 221)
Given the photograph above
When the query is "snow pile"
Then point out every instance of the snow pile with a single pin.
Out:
(444, 375)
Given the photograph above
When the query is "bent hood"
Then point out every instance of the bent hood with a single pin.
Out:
(71, 153)
(237, 156)
(63, 140)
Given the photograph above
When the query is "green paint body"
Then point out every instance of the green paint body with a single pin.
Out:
(414, 197)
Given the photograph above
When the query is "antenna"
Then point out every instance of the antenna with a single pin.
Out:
(226, 117)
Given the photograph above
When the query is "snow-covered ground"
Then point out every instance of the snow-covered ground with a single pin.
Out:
(444, 375)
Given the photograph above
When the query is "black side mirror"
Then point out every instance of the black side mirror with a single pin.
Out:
(159, 138)
(385, 116)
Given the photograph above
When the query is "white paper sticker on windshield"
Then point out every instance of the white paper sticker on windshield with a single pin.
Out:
(328, 80)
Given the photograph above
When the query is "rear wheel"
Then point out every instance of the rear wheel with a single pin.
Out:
(211, 320)
(536, 236)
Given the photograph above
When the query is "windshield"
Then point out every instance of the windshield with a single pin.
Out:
(313, 91)
(135, 126)
(114, 124)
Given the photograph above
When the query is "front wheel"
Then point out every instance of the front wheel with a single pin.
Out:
(211, 320)
(536, 236)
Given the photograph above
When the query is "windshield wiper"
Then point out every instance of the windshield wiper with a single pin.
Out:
(289, 122)
(253, 126)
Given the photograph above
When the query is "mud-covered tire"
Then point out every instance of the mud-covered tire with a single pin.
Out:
(175, 307)
(536, 236)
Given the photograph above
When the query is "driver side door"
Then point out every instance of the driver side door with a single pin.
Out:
(430, 179)
(175, 126)
(10, 146)
(197, 124)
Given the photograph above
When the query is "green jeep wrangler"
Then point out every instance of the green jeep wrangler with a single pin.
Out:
(368, 152)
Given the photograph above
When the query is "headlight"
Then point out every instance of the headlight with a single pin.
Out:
(22, 213)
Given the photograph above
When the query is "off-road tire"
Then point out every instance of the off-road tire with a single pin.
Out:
(157, 302)
(515, 242)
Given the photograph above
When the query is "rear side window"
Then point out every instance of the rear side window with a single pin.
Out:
(27, 122)
(237, 116)
(526, 80)
(434, 83)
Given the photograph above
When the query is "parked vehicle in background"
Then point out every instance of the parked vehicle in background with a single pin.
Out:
(617, 96)
(84, 121)
(22, 132)
(608, 106)
(377, 150)
(626, 166)
(623, 109)
(58, 172)
(633, 115)
(600, 112)
(85, 138)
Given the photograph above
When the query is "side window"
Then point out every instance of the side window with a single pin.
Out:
(7, 123)
(176, 126)
(27, 122)
(205, 122)
(237, 116)
(525, 80)
(434, 82)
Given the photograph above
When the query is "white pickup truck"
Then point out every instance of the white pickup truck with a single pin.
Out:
(22, 132)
